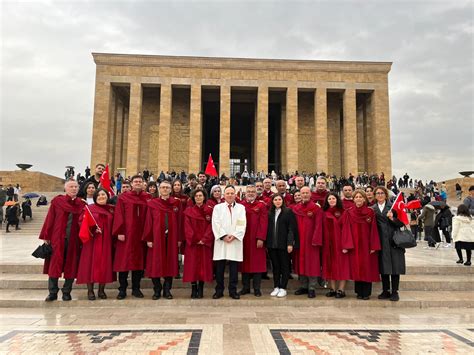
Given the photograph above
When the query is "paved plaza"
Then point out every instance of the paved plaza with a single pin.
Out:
(434, 314)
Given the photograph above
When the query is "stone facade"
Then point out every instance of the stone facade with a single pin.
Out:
(31, 181)
(331, 114)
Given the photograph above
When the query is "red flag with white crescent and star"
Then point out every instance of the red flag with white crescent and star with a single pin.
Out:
(105, 181)
(210, 167)
(399, 207)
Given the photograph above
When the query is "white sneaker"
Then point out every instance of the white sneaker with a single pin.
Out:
(275, 292)
(447, 245)
(281, 293)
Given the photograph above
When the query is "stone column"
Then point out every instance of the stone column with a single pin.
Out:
(134, 128)
(224, 141)
(261, 132)
(291, 129)
(117, 135)
(101, 134)
(381, 137)
(164, 138)
(321, 128)
(349, 133)
(195, 130)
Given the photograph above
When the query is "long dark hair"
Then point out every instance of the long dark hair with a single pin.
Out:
(96, 193)
(194, 192)
(283, 206)
(338, 201)
(463, 210)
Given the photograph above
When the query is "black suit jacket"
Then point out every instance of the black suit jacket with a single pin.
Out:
(285, 232)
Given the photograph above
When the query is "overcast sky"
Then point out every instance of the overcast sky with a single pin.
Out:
(47, 71)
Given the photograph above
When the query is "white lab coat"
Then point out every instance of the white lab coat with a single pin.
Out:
(223, 224)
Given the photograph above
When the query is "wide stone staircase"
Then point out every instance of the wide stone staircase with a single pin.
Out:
(433, 280)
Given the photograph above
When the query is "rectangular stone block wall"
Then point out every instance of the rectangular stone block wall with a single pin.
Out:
(306, 139)
(179, 146)
(150, 130)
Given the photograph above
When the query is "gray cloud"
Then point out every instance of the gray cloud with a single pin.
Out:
(47, 72)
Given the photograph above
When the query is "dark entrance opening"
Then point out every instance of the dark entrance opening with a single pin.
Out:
(242, 130)
(210, 125)
(275, 100)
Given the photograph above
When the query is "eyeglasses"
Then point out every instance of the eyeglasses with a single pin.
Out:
(380, 193)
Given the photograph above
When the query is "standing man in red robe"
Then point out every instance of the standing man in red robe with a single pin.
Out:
(347, 191)
(255, 258)
(129, 220)
(307, 263)
(281, 188)
(61, 231)
(163, 236)
(260, 197)
(267, 188)
(319, 196)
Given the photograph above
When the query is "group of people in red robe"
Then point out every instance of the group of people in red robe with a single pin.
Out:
(317, 234)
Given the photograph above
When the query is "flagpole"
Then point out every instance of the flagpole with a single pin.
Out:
(393, 204)
(87, 207)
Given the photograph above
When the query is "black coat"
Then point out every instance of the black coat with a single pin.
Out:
(391, 258)
(285, 232)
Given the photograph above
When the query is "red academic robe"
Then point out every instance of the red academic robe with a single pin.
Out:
(129, 219)
(212, 202)
(288, 198)
(360, 235)
(198, 257)
(54, 230)
(267, 193)
(319, 197)
(162, 258)
(255, 259)
(336, 264)
(310, 220)
(96, 257)
(185, 200)
(266, 200)
(346, 204)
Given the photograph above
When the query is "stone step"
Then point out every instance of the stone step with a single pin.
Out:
(408, 299)
(407, 283)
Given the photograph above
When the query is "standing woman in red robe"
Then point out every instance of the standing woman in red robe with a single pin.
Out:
(95, 265)
(61, 231)
(336, 262)
(360, 235)
(162, 232)
(199, 243)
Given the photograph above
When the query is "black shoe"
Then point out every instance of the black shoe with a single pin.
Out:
(156, 296)
(194, 291)
(359, 297)
(167, 294)
(91, 296)
(365, 298)
(385, 295)
(201, 289)
(467, 263)
(102, 295)
(301, 291)
(257, 293)
(311, 294)
(18, 229)
(235, 296)
(460, 261)
(244, 291)
(51, 297)
(8, 231)
(331, 293)
(394, 297)
(67, 296)
(121, 295)
(340, 294)
(217, 295)
(265, 276)
(137, 293)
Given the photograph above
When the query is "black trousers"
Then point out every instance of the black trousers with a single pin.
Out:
(468, 254)
(414, 231)
(280, 267)
(137, 276)
(429, 236)
(54, 288)
(363, 289)
(157, 287)
(386, 282)
(447, 235)
(233, 276)
(257, 280)
(13, 224)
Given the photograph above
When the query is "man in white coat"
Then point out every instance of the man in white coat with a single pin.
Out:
(228, 225)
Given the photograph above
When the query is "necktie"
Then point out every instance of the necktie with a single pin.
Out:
(230, 210)
(166, 224)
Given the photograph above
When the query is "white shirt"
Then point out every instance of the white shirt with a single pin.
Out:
(90, 201)
(277, 214)
(225, 222)
(381, 206)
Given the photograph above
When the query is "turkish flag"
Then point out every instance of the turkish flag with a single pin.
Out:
(210, 167)
(105, 181)
(399, 207)
(413, 205)
(87, 222)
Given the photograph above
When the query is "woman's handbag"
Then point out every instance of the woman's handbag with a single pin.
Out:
(403, 238)
(43, 251)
